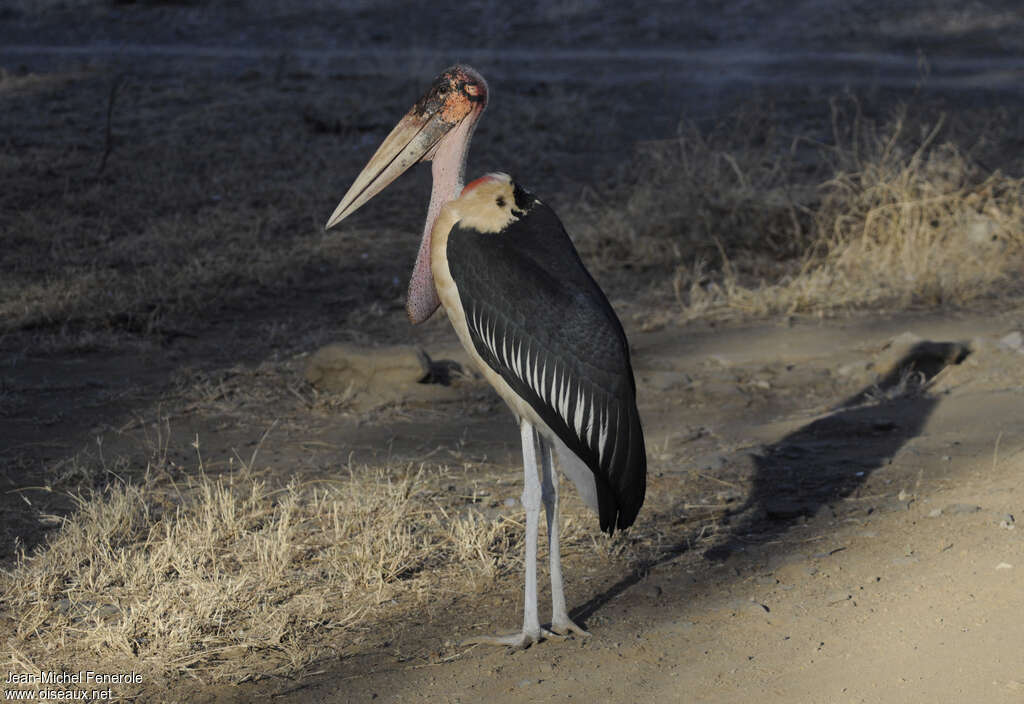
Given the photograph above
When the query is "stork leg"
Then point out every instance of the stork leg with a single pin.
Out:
(561, 624)
(531, 632)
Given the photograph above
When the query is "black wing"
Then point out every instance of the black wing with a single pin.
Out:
(539, 319)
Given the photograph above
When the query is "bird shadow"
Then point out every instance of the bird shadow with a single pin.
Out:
(816, 465)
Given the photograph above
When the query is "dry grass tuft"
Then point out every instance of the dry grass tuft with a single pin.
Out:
(909, 221)
(698, 196)
(230, 579)
(885, 216)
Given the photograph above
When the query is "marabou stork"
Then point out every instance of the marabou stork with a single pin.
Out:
(530, 316)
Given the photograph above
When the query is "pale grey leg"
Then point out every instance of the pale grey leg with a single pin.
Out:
(531, 632)
(561, 624)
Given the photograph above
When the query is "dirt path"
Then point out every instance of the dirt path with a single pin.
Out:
(823, 537)
(869, 551)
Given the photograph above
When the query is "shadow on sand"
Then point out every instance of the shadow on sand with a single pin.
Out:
(820, 463)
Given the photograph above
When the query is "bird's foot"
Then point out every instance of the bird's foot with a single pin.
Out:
(565, 627)
(524, 639)
(515, 641)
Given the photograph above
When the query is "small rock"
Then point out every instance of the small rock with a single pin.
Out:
(1004, 566)
(1006, 521)
(710, 462)
(376, 376)
(935, 513)
(1013, 341)
(748, 606)
(961, 508)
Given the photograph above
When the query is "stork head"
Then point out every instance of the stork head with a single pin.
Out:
(438, 127)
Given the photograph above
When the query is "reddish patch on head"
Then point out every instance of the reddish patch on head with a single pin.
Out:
(473, 184)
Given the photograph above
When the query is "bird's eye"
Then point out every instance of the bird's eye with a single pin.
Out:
(500, 201)
(471, 89)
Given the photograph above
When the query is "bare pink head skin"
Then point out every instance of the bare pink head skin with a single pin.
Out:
(437, 129)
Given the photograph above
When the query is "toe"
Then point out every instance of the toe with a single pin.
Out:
(567, 628)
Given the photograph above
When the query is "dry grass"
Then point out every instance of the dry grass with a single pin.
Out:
(212, 198)
(916, 223)
(227, 579)
(885, 215)
(177, 227)
(905, 220)
(230, 579)
(731, 188)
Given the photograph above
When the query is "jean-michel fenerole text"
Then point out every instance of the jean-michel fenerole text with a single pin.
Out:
(86, 677)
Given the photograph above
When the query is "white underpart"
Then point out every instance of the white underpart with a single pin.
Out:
(580, 474)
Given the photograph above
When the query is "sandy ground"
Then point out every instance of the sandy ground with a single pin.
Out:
(828, 537)
(870, 554)
(840, 499)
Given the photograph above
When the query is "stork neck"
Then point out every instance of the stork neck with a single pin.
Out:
(448, 167)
